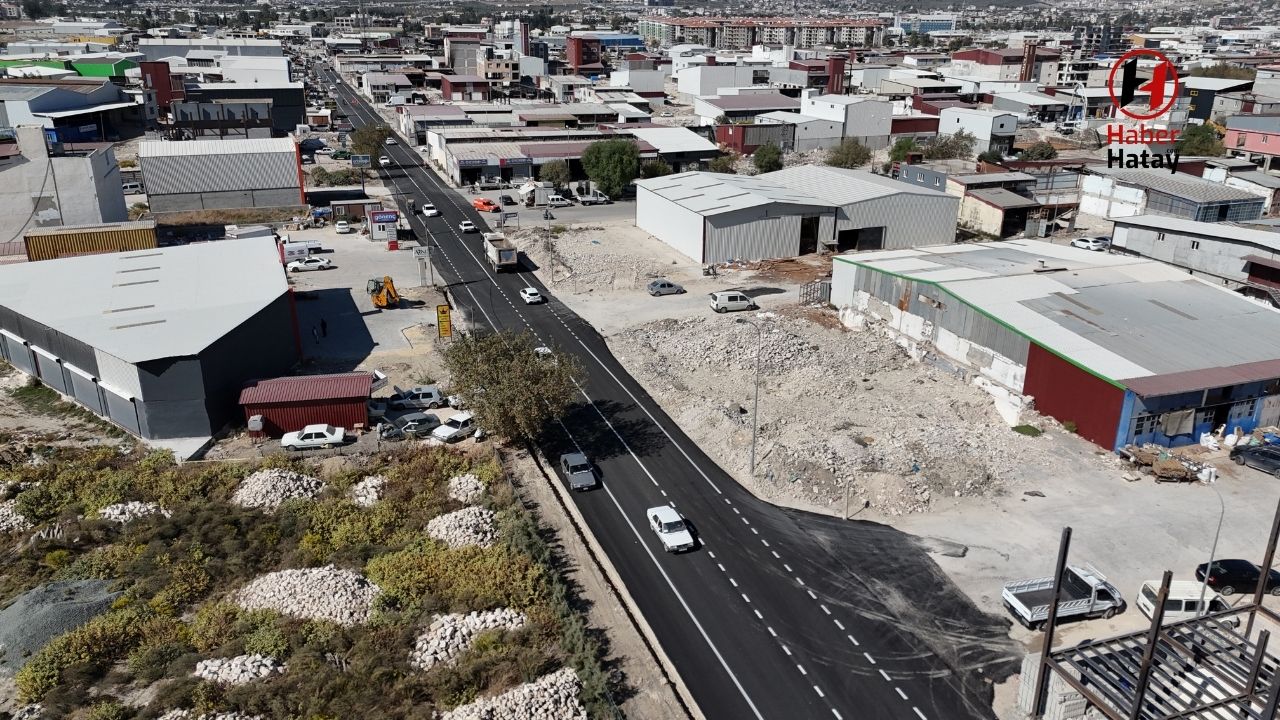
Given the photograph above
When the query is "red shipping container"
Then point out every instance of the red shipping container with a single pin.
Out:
(291, 403)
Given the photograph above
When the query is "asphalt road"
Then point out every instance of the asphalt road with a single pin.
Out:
(778, 613)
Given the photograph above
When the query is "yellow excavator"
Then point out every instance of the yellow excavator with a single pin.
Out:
(384, 293)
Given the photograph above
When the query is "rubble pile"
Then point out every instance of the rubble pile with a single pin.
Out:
(238, 670)
(268, 488)
(551, 697)
(450, 635)
(324, 593)
(465, 488)
(368, 491)
(844, 416)
(10, 519)
(127, 512)
(584, 257)
(468, 526)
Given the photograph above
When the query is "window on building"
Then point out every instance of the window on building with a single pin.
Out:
(937, 182)
(1195, 244)
(1194, 93)
(1240, 139)
(1160, 237)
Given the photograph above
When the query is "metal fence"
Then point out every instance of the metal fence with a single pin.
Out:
(818, 291)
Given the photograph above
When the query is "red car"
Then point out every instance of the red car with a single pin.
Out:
(485, 205)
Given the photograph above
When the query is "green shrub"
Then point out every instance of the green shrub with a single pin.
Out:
(428, 576)
(267, 640)
(1028, 430)
(56, 559)
(99, 642)
(107, 710)
(1069, 426)
(148, 663)
(212, 625)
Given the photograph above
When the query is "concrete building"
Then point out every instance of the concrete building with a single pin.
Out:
(807, 132)
(164, 355)
(1114, 192)
(1005, 64)
(221, 174)
(995, 204)
(1030, 105)
(287, 100)
(74, 109)
(867, 120)
(48, 185)
(379, 87)
(994, 130)
(1125, 349)
(1255, 137)
(1244, 175)
(1196, 95)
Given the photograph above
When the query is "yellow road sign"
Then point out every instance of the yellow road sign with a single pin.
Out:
(443, 321)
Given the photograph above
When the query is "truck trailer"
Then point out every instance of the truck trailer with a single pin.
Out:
(500, 251)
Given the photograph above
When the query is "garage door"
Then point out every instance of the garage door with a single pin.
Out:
(121, 410)
(82, 387)
(49, 370)
(17, 353)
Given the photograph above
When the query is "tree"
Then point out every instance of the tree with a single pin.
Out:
(1222, 70)
(722, 120)
(514, 391)
(902, 149)
(1199, 141)
(848, 154)
(1039, 151)
(557, 173)
(654, 168)
(767, 158)
(991, 156)
(612, 164)
(727, 164)
(36, 9)
(951, 147)
(369, 140)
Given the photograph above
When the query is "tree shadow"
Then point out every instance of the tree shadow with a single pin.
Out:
(601, 441)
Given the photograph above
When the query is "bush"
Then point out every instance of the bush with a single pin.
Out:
(430, 577)
(727, 164)
(148, 663)
(1028, 430)
(212, 625)
(767, 158)
(107, 710)
(848, 154)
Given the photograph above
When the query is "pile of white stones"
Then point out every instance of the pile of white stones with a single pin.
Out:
(465, 488)
(551, 697)
(324, 593)
(191, 715)
(238, 670)
(468, 526)
(10, 519)
(368, 491)
(129, 511)
(269, 488)
(450, 635)
(29, 712)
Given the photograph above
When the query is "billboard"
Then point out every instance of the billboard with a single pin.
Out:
(384, 216)
(360, 161)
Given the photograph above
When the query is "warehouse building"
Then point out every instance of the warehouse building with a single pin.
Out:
(156, 341)
(1123, 349)
(1115, 192)
(715, 218)
(221, 174)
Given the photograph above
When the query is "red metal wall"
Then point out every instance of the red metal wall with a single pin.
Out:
(835, 67)
(1067, 393)
(280, 418)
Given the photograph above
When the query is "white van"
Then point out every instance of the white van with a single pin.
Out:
(131, 188)
(1183, 602)
(557, 201)
(727, 300)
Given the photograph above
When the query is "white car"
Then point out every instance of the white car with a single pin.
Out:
(530, 296)
(467, 226)
(430, 210)
(342, 227)
(1099, 244)
(670, 528)
(389, 141)
(314, 436)
(456, 428)
(325, 151)
(667, 113)
(384, 161)
(309, 263)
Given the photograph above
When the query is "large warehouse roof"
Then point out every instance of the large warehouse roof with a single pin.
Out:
(196, 166)
(1136, 323)
(1224, 231)
(149, 304)
(1180, 185)
(714, 193)
(839, 186)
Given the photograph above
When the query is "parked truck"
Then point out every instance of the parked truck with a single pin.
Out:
(585, 196)
(501, 252)
(1085, 593)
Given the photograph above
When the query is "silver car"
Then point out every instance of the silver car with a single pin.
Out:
(664, 287)
(577, 471)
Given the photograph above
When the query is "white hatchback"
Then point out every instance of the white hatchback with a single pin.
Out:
(530, 296)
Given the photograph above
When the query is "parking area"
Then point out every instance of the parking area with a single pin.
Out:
(613, 212)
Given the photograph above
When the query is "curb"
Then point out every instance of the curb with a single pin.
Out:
(620, 590)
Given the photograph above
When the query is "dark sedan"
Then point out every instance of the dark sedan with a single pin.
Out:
(1261, 457)
(1231, 576)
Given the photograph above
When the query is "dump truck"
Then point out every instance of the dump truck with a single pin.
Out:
(1085, 593)
(501, 252)
(383, 292)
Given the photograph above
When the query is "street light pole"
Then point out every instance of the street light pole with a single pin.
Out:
(1213, 551)
(755, 412)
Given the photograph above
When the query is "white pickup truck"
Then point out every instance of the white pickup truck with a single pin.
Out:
(1085, 592)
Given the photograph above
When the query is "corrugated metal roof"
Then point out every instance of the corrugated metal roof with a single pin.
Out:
(672, 139)
(1177, 184)
(307, 388)
(149, 304)
(999, 177)
(713, 193)
(1269, 122)
(838, 186)
(753, 101)
(196, 165)
(1003, 199)
(1223, 231)
(169, 148)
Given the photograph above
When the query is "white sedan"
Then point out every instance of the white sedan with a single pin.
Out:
(1099, 244)
(384, 161)
(430, 210)
(670, 528)
(530, 296)
(314, 436)
(390, 141)
(309, 263)
(467, 226)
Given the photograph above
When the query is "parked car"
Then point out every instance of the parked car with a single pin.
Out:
(485, 205)
(726, 300)
(341, 155)
(457, 428)
(667, 113)
(506, 200)
(557, 201)
(1183, 602)
(1085, 593)
(670, 528)
(430, 210)
(342, 227)
(664, 287)
(310, 263)
(577, 471)
(467, 226)
(325, 151)
(417, 424)
(1261, 457)
(1099, 244)
(384, 161)
(418, 398)
(314, 436)
(1229, 577)
(530, 296)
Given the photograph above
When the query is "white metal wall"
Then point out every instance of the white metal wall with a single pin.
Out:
(674, 225)
(120, 375)
(909, 220)
(751, 235)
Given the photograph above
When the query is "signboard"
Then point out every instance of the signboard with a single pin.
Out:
(472, 162)
(421, 251)
(443, 321)
(361, 161)
(384, 216)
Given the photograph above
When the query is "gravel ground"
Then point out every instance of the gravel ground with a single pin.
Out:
(10, 519)
(585, 257)
(368, 491)
(39, 615)
(238, 670)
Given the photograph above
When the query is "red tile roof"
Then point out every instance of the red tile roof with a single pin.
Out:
(307, 388)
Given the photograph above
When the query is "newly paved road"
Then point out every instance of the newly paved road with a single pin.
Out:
(778, 614)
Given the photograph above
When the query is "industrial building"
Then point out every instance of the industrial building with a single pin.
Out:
(117, 343)
(47, 184)
(714, 218)
(221, 174)
(1115, 192)
(73, 240)
(1122, 349)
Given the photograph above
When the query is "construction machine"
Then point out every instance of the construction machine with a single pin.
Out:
(384, 293)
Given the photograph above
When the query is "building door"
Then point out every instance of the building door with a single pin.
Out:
(871, 238)
(808, 235)
(121, 410)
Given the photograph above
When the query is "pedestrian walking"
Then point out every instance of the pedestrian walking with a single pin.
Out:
(315, 334)
(324, 328)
